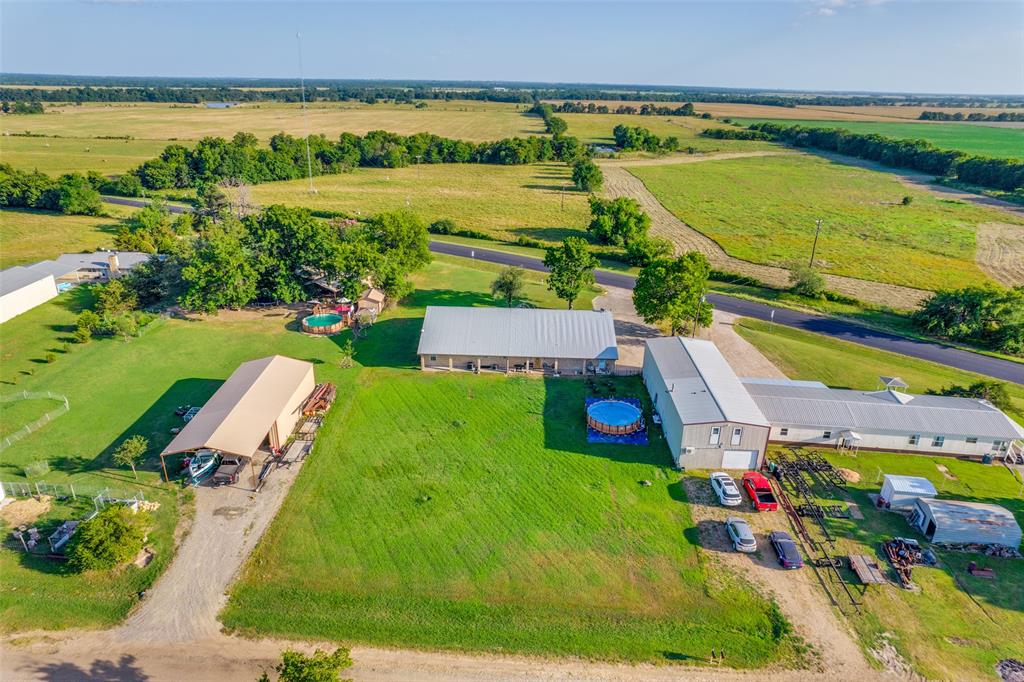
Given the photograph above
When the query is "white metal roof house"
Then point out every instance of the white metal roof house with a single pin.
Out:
(887, 419)
(22, 289)
(101, 265)
(261, 401)
(518, 339)
(709, 419)
(959, 522)
(901, 492)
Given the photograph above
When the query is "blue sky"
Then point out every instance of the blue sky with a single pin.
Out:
(896, 45)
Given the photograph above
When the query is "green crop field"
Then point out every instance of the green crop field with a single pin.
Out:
(468, 512)
(597, 129)
(504, 201)
(972, 138)
(29, 236)
(763, 210)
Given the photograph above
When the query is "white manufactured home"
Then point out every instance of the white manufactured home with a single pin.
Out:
(713, 419)
(709, 420)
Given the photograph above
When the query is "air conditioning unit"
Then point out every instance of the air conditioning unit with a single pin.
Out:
(688, 451)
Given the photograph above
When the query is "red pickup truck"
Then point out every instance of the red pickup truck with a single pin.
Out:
(760, 491)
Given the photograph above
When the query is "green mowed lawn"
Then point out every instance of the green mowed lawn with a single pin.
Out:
(955, 625)
(972, 138)
(535, 201)
(763, 210)
(841, 364)
(28, 236)
(597, 129)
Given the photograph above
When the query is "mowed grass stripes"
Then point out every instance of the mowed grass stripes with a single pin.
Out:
(468, 512)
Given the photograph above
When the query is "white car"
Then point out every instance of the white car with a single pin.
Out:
(723, 485)
(741, 535)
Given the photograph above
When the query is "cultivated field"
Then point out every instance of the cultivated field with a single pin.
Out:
(29, 236)
(986, 140)
(763, 210)
(505, 201)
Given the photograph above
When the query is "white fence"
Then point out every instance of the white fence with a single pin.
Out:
(39, 423)
(100, 497)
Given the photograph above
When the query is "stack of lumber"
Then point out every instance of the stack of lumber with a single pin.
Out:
(320, 400)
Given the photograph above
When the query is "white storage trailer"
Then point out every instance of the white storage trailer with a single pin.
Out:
(901, 492)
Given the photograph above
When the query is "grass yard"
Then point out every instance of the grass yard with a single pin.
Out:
(803, 355)
(597, 129)
(57, 155)
(763, 210)
(504, 201)
(956, 626)
(28, 236)
(972, 138)
(476, 121)
(468, 512)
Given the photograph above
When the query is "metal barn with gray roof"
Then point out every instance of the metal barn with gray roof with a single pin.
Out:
(709, 419)
(959, 522)
(518, 339)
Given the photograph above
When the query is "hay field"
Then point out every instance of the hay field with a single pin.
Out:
(597, 129)
(31, 236)
(476, 121)
(987, 140)
(505, 201)
(56, 155)
(763, 209)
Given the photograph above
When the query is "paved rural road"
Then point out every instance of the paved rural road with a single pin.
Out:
(1006, 370)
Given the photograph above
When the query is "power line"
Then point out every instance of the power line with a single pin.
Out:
(305, 115)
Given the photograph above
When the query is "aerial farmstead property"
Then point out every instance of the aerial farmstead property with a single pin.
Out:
(554, 342)
(714, 419)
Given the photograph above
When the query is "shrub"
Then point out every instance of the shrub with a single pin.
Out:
(51, 357)
(587, 176)
(112, 537)
(527, 241)
(82, 335)
(442, 226)
(804, 281)
(907, 200)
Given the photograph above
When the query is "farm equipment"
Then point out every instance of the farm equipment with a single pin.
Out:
(320, 400)
(903, 554)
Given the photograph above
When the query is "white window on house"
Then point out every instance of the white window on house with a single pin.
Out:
(826, 435)
(914, 440)
(737, 434)
(783, 432)
(716, 434)
(972, 441)
(938, 441)
(433, 358)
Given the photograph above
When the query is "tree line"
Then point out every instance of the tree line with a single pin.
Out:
(637, 138)
(21, 107)
(72, 193)
(735, 134)
(643, 110)
(973, 116)
(920, 155)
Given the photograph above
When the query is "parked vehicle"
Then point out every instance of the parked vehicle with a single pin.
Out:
(201, 465)
(740, 534)
(723, 485)
(760, 490)
(786, 549)
(230, 470)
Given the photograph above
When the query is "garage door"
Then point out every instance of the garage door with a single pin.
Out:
(739, 459)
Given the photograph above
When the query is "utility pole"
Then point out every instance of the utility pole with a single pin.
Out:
(696, 313)
(563, 196)
(305, 115)
(817, 231)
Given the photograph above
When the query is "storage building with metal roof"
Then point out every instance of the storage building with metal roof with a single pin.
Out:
(959, 522)
(518, 339)
(707, 415)
(901, 492)
(22, 289)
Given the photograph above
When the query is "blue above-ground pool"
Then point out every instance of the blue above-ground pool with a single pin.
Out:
(614, 417)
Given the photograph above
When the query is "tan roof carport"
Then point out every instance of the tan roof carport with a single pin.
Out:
(261, 399)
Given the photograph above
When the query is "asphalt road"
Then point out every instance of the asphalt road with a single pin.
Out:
(1006, 370)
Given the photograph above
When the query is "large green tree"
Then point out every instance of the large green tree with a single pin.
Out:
(572, 268)
(587, 176)
(508, 285)
(986, 315)
(109, 539)
(672, 290)
(284, 242)
(618, 221)
(220, 273)
(74, 194)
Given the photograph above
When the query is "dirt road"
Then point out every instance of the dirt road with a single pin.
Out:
(619, 182)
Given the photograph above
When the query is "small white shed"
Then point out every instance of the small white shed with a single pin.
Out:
(901, 492)
(955, 521)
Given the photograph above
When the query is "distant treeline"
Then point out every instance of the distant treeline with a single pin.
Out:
(973, 116)
(242, 159)
(21, 107)
(920, 155)
(735, 134)
(195, 90)
(643, 110)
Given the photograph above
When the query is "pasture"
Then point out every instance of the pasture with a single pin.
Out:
(468, 512)
(971, 138)
(58, 155)
(29, 236)
(597, 129)
(504, 201)
(763, 210)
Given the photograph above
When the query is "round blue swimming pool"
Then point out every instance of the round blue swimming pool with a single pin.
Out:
(614, 416)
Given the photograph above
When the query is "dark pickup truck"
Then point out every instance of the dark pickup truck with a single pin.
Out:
(230, 470)
(760, 491)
